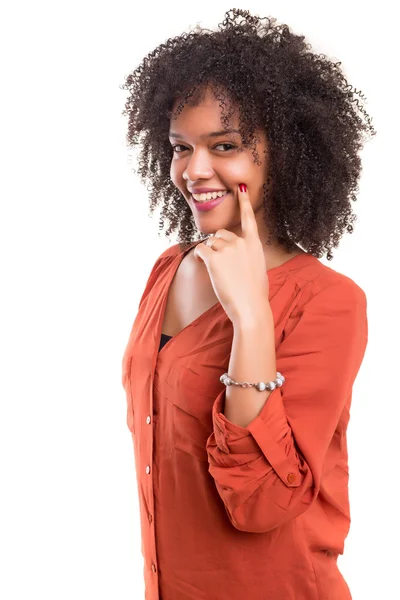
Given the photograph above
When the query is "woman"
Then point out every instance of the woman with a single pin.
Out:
(251, 143)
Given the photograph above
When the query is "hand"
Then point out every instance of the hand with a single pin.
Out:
(236, 266)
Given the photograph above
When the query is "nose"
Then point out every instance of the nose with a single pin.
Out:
(199, 166)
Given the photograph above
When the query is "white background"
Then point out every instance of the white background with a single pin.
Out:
(77, 246)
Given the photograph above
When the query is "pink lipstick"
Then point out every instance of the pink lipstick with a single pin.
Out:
(205, 206)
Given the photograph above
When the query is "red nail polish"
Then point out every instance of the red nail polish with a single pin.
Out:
(242, 187)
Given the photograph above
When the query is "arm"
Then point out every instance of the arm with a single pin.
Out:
(270, 471)
(252, 359)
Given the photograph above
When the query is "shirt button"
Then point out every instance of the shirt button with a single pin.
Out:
(147, 469)
(150, 518)
(153, 568)
(291, 478)
(148, 420)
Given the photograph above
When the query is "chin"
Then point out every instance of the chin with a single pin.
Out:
(206, 230)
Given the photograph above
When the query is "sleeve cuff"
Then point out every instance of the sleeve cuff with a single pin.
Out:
(268, 433)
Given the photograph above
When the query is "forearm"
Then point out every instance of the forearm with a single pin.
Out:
(252, 359)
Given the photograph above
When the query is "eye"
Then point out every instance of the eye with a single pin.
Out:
(231, 146)
(174, 147)
(177, 146)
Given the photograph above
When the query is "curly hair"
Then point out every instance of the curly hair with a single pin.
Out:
(313, 119)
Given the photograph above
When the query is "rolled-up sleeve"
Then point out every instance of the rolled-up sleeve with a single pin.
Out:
(270, 471)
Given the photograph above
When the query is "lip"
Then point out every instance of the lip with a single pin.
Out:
(206, 206)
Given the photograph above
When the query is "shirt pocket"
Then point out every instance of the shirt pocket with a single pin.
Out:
(189, 434)
(192, 416)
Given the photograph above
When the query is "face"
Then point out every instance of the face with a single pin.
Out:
(204, 160)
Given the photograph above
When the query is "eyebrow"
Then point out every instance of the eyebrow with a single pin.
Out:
(211, 134)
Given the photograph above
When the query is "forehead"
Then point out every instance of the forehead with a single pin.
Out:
(204, 111)
(203, 115)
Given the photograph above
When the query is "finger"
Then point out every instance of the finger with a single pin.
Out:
(203, 253)
(247, 216)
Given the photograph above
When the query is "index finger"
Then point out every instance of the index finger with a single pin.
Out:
(247, 216)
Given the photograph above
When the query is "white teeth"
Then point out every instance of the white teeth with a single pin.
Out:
(209, 196)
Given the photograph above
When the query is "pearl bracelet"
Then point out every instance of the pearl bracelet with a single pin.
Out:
(261, 385)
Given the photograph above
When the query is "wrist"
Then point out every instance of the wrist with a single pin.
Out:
(254, 318)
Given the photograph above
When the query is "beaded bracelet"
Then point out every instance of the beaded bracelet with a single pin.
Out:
(261, 385)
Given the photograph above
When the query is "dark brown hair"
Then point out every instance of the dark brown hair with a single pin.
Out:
(313, 119)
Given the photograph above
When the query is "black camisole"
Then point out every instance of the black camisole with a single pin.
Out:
(164, 339)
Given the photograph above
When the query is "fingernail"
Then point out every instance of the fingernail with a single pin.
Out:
(242, 187)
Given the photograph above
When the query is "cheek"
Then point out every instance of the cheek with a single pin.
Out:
(175, 174)
(242, 168)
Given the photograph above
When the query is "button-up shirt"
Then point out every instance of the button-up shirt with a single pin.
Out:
(258, 512)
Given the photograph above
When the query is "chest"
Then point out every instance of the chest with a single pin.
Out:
(190, 295)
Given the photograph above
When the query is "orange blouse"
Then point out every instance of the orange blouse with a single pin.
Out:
(258, 512)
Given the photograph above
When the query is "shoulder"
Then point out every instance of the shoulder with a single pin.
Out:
(166, 256)
(328, 304)
(161, 266)
(321, 283)
(175, 250)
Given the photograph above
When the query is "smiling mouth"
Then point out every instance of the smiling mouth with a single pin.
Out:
(209, 204)
(203, 197)
(206, 201)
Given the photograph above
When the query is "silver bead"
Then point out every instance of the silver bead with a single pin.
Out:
(261, 386)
